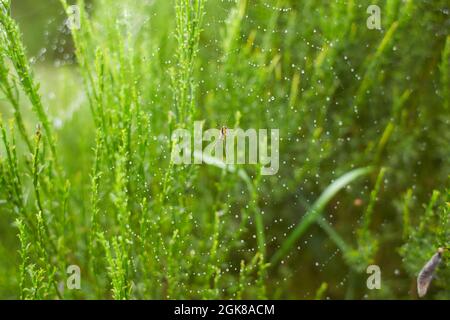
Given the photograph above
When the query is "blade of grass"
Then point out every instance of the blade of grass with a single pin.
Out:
(314, 212)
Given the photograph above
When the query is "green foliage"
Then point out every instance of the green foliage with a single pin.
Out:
(363, 118)
(432, 232)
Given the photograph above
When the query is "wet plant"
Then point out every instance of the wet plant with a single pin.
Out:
(87, 176)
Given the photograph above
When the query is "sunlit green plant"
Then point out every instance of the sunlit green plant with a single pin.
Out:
(362, 116)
